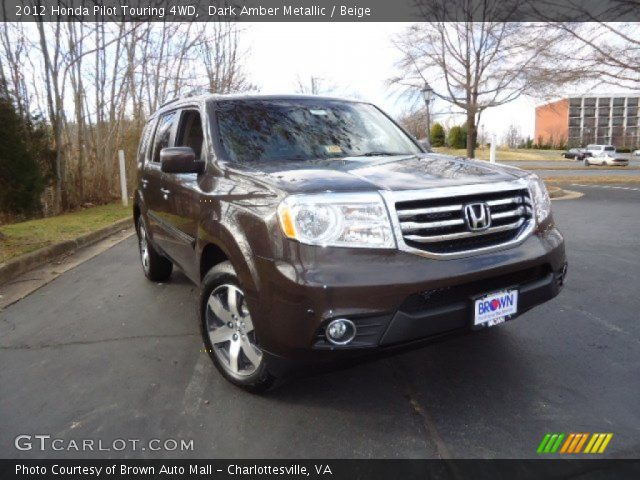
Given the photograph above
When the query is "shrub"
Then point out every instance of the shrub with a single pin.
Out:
(457, 137)
(437, 135)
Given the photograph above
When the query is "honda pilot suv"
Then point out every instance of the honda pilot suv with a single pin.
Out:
(319, 230)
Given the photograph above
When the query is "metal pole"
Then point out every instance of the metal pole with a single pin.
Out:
(492, 151)
(427, 102)
(123, 179)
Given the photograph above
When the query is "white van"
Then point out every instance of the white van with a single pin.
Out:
(598, 150)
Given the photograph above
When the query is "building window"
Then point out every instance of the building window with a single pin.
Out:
(632, 121)
(603, 122)
(632, 111)
(589, 122)
(617, 121)
(632, 102)
(603, 102)
(574, 122)
(589, 102)
(575, 102)
(574, 112)
(603, 112)
(590, 112)
(618, 102)
(618, 111)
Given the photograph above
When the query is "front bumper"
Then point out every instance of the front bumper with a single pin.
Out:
(393, 297)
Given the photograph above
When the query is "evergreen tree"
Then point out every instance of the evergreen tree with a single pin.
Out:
(457, 137)
(21, 182)
(437, 135)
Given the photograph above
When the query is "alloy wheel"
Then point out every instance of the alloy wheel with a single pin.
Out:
(144, 247)
(231, 332)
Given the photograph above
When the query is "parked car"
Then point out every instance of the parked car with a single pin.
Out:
(576, 153)
(636, 153)
(318, 230)
(596, 150)
(607, 159)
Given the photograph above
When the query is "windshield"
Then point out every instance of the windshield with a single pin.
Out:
(298, 130)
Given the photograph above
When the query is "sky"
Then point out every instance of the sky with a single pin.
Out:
(357, 59)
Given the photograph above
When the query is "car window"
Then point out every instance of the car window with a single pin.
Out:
(163, 134)
(144, 142)
(610, 149)
(302, 130)
(190, 131)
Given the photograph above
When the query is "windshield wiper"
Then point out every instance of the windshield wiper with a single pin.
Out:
(380, 154)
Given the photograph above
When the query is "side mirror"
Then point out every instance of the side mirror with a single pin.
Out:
(180, 160)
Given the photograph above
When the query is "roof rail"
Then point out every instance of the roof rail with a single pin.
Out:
(175, 99)
(192, 93)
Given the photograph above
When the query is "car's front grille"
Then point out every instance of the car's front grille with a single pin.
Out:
(440, 226)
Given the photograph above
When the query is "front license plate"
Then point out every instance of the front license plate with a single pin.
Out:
(494, 308)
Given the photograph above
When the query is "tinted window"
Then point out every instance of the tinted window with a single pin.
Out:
(609, 149)
(163, 134)
(298, 130)
(144, 142)
(190, 131)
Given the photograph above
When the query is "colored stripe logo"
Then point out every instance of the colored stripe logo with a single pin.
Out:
(573, 443)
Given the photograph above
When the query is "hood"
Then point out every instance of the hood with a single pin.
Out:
(410, 172)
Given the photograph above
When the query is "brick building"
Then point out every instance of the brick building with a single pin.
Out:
(578, 121)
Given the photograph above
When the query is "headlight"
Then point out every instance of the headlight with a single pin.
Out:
(337, 219)
(541, 200)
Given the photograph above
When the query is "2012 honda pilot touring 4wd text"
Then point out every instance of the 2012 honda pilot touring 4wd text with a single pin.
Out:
(318, 229)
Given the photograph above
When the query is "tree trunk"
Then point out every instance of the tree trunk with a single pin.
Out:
(472, 134)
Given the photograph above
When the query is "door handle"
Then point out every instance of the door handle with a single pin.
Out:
(165, 193)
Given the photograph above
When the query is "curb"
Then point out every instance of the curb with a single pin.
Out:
(557, 193)
(31, 260)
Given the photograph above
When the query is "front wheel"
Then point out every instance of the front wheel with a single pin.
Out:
(228, 332)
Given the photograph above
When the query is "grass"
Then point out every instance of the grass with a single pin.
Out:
(592, 179)
(508, 154)
(24, 237)
(578, 167)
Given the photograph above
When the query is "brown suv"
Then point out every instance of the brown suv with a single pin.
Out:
(318, 229)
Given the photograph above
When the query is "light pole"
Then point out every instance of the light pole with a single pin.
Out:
(427, 94)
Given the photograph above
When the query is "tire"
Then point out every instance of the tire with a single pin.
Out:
(155, 267)
(586, 162)
(227, 331)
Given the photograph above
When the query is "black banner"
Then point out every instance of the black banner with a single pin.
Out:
(316, 469)
(320, 10)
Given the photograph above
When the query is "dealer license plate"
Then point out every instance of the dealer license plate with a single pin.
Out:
(494, 308)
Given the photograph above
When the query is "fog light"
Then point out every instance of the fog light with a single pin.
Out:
(340, 331)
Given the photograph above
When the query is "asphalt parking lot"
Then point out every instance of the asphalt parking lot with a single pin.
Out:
(101, 353)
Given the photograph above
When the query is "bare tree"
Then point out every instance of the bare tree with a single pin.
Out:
(603, 52)
(512, 137)
(415, 122)
(221, 52)
(95, 83)
(473, 64)
(314, 86)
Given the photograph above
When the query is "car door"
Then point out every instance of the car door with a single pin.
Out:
(185, 193)
(156, 194)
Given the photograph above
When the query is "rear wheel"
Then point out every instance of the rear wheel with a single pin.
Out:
(228, 332)
(156, 267)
